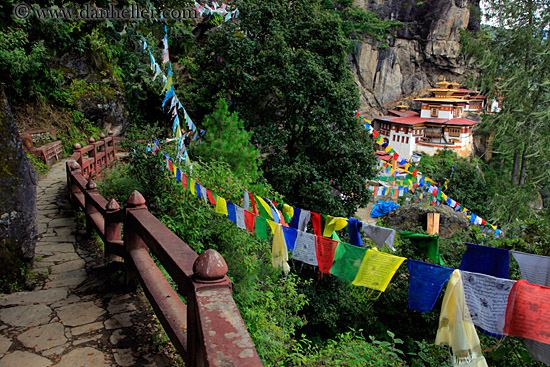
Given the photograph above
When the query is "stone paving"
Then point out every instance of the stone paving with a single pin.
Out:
(81, 314)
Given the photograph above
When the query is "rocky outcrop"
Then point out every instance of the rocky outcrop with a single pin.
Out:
(425, 48)
(98, 94)
(408, 217)
(18, 180)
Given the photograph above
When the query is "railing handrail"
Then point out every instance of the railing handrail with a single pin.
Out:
(209, 331)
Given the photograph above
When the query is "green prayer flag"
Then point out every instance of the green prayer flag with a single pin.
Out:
(347, 261)
(260, 227)
(439, 192)
(428, 244)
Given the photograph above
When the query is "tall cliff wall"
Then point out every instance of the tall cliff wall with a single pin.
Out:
(425, 48)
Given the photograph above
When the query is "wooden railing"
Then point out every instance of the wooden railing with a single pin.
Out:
(209, 330)
(96, 155)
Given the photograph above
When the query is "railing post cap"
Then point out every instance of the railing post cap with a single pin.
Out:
(111, 133)
(91, 185)
(74, 166)
(102, 136)
(113, 205)
(135, 199)
(210, 266)
(91, 140)
(77, 146)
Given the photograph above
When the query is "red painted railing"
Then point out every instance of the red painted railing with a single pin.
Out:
(209, 330)
(96, 155)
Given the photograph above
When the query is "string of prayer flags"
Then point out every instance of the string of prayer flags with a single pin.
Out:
(428, 244)
(380, 235)
(347, 261)
(487, 299)
(528, 312)
(377, 270)
(486, 260)
(324, 250)
(456, 328)
(534, 268)
(304, 248)
(354, 226)
(415, 172)
(425, 284)
(279, 251)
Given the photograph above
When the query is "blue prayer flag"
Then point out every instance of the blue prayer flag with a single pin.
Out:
(486, 260)
(425, 284)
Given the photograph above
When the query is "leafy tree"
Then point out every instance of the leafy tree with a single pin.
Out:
(513, 59)
(227, 141)
(284, 68)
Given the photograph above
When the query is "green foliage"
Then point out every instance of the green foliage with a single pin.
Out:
(14, 271)
(358, 23)
(118, 184)
(467, 186)
(39, 165)
(285, 71)
(227, 141)
(348, 349)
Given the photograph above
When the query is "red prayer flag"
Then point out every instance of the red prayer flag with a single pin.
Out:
(210, 197)
(528, 312)
(483, 222)
(170, 165)
(316, 221)
(325, 249)
(395, 156)
(254, 209)
(184, 180)
(249, 219)
(375, 134)
(415, 172)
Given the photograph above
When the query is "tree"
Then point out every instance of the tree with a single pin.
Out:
(513, 60)
(285, 68)
(227, 141)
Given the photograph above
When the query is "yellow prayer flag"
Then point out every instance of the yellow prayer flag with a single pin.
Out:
(264, 205)
(334, 224)
(444, 197)
(221, 206)
(193, 188)
(279, 250)
(388, 148)
(272, 225)
(377, 270)
(288, 210)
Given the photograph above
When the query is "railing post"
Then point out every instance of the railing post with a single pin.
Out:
(132, 239)
(103, 149)
(78, 149)
(216, 334)
(89, 209)
(113, 229)
(113, 140)
(93, 154)
(73, 188)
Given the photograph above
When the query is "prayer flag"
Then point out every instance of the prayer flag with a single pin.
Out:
(487, 299)
(210, 197)
(347, 261)
(527, 312)
(354, 226)
(334, 224)
(290, 237)
(316, 221)
(486, 260)
(221, 206)
(304, 248)
(377, 270)
(279, 252)
(295, 218)
(239, 213)
(249, 219)
(231, 212)
(426, 282)
(428, 244)
(534, 268)
(456, 328)
(380, 235)
(324, 249)
(260, 227)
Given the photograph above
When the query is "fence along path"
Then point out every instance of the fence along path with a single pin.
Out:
(80, 315)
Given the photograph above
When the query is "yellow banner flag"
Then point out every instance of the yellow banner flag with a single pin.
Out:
(334, 224)
(221, 206)
(377, 270)
(193, 188)
(272, 225)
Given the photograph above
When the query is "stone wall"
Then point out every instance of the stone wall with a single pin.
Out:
(18, 181)
(425, 48)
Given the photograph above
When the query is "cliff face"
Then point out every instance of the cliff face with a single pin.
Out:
(426, 47)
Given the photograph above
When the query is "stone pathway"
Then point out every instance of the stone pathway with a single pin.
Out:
(81, 314)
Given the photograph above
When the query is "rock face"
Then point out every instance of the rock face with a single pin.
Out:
(103, 102)
(407, 217)
(18, 182)
(425, 48)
